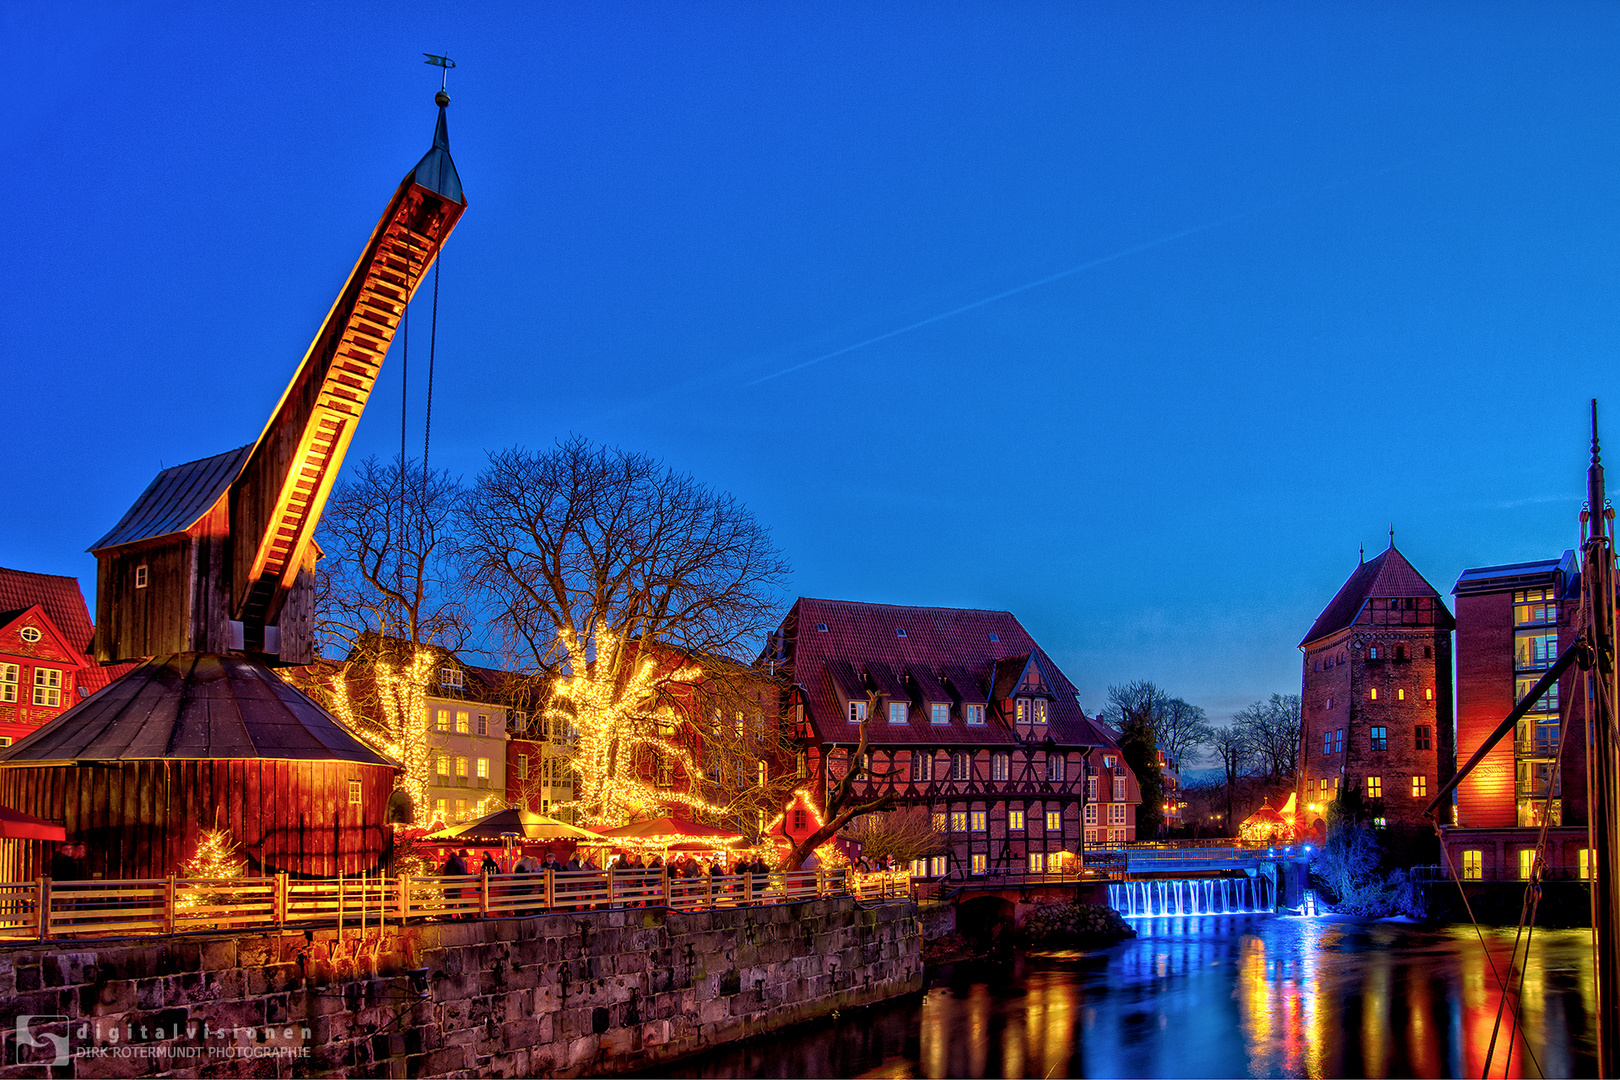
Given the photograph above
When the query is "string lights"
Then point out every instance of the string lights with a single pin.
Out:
(401, 730)
(620, 730)
(217, 857)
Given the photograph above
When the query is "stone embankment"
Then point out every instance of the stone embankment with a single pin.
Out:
(561, 994)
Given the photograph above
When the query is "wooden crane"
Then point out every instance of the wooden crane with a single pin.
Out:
(216, 556)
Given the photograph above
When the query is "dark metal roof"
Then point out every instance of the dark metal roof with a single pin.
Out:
(436, 171)
(194, 706)
(1481, 579)
(174, 501)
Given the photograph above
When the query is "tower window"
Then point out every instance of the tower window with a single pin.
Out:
(1421, 737)
(1380, 738)
(1428, 652)
(1373, 694)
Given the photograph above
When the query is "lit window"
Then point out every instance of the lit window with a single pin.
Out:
(1015, 821)
(1054, 768)
(998, 766)
(938, 864)
(483, 724)
(764, 773)
(450, 676)
(976, 864)
(1375, 787)
(461, 722)
(1116, 813)
(481, 768)
(857, 712)
(439, 807)
(1091, 813)
(897, 712)
(1373, 693)
(47, 686)
(1054, 821)
(461, 809)
(1119, 789)
(922, 766)
(1380, 738)
(1586, 863)
(1428, 693)
(939, 714)
(1420, 787)
(975, 715)
(140, 576)
(1327, 742)
(461, 766)
(523, 766)
(961, 765)
(1037, 862)
(1527, 863)
(1021, 710)
(354, 793)
(8, 681)
(977, 821)
(939, 821)
(29, 634)
(441, 719)
(959, 821)
(444, 765)
(1040, 710)
(1400, 694)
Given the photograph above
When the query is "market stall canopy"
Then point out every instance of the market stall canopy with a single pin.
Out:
(669, 831)
(16, 825)
(525, 825)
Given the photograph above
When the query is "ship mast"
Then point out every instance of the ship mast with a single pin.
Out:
(1602, 765)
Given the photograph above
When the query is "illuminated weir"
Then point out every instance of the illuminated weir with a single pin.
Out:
(1192, 896)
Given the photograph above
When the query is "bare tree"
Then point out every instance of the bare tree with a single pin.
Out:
(1232, 748)
(1271, 729)
(1180, 729)
(901, 835)
(597, 566)
(390, 601)
(844, 802)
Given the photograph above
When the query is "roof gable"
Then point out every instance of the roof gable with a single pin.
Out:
(59, 596)
(176, 498)
(53, 645)
(1387, 575)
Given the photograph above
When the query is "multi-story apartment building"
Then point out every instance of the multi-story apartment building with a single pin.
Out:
(467, 736)
(1376, 695)
(1512, 622)
(965, 715)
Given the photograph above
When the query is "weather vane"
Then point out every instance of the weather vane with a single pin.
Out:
(441, 61)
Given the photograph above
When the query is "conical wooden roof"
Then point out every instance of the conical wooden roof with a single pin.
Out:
(194, 706)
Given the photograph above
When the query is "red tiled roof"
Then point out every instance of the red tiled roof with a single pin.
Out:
(953, 642)
(59, 596)
(1387, 575)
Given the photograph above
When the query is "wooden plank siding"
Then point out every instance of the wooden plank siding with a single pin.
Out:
(144, 818)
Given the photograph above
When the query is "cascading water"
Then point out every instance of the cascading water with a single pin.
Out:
(1191, 896)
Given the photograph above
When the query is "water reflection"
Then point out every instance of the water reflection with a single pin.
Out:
(1217, 996)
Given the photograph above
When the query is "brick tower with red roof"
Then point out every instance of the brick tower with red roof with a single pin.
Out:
(1376, 695)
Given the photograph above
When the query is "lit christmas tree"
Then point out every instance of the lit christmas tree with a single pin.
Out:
(217, 857)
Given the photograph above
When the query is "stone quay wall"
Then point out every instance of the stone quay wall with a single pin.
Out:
(563, 994)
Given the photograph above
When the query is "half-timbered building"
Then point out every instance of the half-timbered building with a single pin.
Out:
(965, 715)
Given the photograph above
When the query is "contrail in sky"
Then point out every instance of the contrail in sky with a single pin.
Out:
(1090, 264)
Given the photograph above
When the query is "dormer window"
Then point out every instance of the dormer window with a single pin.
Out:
(451, 677)
(1108, 762)
(994, 636)
(975, 715)
(897, 712)
(140, 576)
(899, 631)
(1021, 711)
(1040, 710)
(939, 714)
(857, 712)
(821, 628)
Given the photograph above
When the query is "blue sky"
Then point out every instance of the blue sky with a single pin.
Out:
(1304, 270)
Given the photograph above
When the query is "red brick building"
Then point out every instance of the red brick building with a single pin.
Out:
(45, 664)
(1376, 695)
(965, 715)
(1512, 622)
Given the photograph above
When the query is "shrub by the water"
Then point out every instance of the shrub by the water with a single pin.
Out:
(1073, 925)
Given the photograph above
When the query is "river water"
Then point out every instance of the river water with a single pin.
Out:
(1213, 996)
